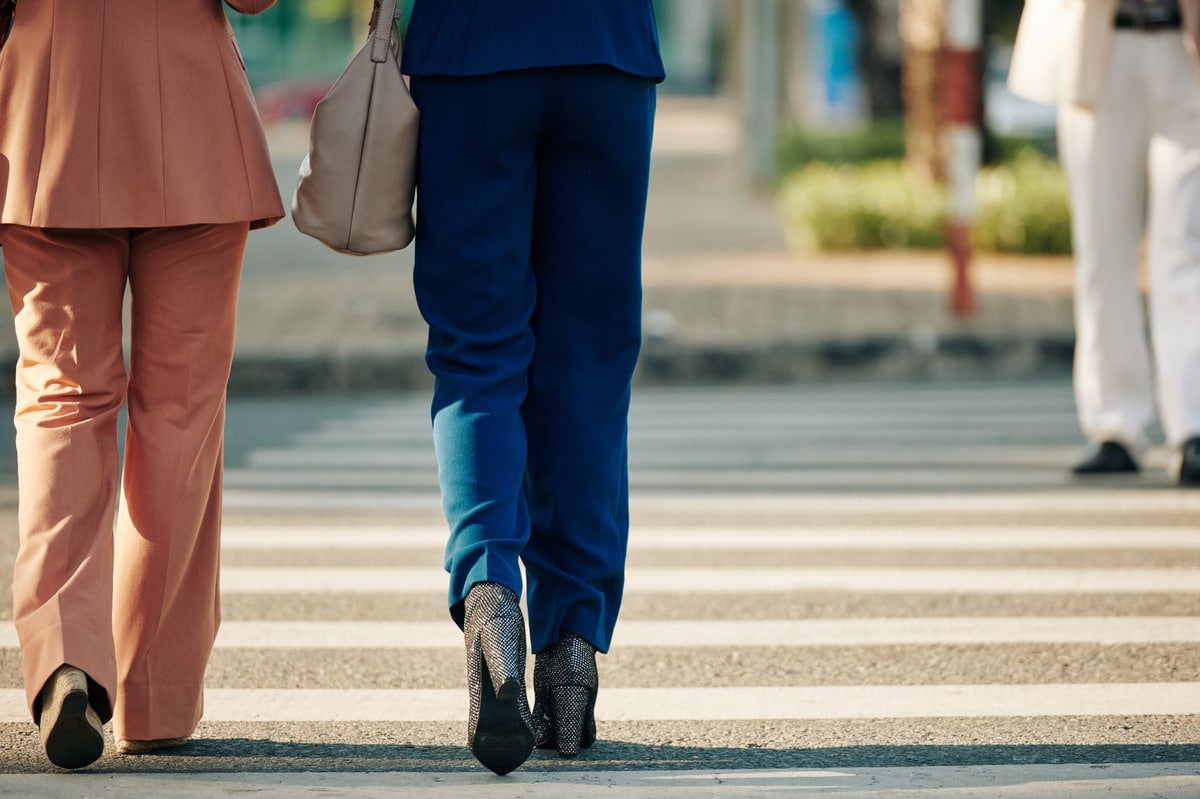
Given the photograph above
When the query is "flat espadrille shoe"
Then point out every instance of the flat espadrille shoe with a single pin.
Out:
(128, 747)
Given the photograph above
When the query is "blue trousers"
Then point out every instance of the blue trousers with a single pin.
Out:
(531, 203)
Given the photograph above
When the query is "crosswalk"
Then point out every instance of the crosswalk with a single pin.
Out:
(825, 583)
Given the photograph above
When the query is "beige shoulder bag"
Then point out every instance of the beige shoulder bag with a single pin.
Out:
(357, 183)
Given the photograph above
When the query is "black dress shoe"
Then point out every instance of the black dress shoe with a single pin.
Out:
(1108, 458)
(1189, 466)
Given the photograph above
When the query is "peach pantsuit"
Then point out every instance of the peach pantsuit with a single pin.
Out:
(145, 168)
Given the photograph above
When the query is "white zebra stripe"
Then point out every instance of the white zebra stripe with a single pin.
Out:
(757, 407)
(1070, 781)
(365, 476)
(740, 503)
(309, 499)
(342, 443)
(1115, 499)
(714, 633)
(721, 580)
(413, 437)
(705, 704)
(654, 538)
(722, 633)
(1061, 780)
(727, 633)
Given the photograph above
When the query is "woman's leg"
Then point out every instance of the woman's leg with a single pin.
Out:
(475, 287)
(184, 282)
(66, 288)
(592, 184)
(1103, 151)
(1173, 244)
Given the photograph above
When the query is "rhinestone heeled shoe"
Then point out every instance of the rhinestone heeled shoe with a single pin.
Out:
(565, 682)
(499, 729)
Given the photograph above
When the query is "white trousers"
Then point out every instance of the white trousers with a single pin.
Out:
(1133, 167)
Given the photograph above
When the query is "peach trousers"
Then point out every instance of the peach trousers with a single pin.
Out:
(138, 616)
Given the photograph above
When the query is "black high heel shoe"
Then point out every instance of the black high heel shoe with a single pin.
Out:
(565, 682)
(499, 732)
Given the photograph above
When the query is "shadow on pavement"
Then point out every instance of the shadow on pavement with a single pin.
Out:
(231, 755)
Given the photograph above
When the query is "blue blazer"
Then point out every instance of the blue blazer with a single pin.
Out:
(478, 37)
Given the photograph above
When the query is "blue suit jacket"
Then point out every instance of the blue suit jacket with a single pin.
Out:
(478, 37)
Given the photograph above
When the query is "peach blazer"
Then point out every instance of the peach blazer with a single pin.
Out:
(130, 113)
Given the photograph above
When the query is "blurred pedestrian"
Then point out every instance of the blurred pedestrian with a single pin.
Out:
(536, 121)
(1126, 79)
(130, 153)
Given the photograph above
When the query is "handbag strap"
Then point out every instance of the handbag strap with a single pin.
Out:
(383, 28)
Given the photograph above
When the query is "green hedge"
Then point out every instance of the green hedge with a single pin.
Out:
(1022, 207)
(880, 141)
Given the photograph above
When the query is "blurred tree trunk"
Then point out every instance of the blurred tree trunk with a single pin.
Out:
(922, 24)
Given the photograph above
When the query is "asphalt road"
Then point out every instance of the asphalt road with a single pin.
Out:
(852, 590)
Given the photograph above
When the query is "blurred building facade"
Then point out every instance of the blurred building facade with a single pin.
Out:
(820, 49)
(814, 64)
(312, 39)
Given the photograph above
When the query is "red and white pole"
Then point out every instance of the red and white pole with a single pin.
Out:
(962, 139)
